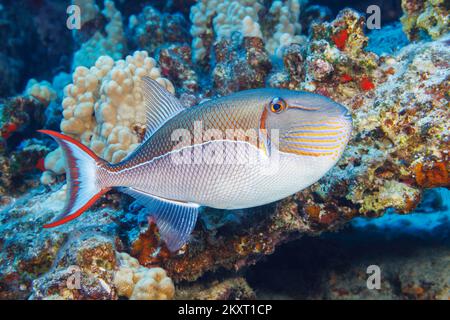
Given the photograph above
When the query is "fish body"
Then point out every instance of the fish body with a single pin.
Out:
(244, 150)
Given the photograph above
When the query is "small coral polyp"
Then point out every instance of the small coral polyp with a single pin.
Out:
(103, 106)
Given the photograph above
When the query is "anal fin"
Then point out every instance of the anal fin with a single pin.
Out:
(175, 220)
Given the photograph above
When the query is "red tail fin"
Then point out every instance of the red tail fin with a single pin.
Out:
(83, 186)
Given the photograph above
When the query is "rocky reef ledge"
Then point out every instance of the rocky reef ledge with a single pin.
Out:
(399, 148)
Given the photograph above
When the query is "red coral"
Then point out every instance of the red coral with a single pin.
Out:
(346, 78)
(8, 129)
(40, 164)
(340, 39)
(432, 175)
(366, 84)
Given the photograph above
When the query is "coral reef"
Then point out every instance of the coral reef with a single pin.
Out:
(387, 40)
(151, 29)
(211, 19)
(176, 65)
(413, 261)
(103, 107)
(397, 92)
(398, 149)
(20, 166)
(286, 30)
(82, 271)
(422, 18)
(241, 63)
(215, 21)
(405, 279)
(112, 44)
(29, 253)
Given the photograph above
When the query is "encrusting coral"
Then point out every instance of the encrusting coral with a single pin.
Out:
(103, 107)
(425, 17)
(139, 283)
(152, 29)
(241, 63)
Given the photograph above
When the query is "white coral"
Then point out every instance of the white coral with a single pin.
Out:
(88, 8)
(43, 91)
(104, 104)
(288, 27)
(251, 28)
(113, 44)
(139, 283)
(243, 15)
(227, 16)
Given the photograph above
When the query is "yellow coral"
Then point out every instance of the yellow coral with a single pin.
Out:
(431, 16)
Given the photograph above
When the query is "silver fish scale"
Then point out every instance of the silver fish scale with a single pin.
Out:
(216, 185)
(222, 114)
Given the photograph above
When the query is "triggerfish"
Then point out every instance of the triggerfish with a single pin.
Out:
(239, 151)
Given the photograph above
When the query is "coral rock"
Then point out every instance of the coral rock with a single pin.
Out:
(241, 63)
(430, 17)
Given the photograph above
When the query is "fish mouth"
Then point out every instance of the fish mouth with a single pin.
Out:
(318, 138)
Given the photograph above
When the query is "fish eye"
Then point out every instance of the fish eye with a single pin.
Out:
(277, 105)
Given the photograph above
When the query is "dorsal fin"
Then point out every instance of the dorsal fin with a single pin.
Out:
(160, 105)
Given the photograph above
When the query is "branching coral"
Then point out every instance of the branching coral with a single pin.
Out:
(103, 107)
(219, 19)
(112, 44)
(287, 27)
(139, 283)
(213, 20)
(43, 91)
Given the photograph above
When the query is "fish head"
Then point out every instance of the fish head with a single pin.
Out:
(307, 124)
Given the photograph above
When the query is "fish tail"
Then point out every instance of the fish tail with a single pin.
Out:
(84, 178)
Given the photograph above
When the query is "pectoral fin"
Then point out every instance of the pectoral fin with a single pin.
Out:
(175, 220)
